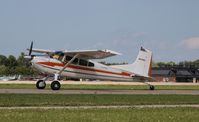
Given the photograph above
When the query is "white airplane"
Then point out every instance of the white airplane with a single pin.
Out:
(9, 78)
(78, 64)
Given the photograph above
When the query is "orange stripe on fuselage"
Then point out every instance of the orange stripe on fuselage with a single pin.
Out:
(52, 64)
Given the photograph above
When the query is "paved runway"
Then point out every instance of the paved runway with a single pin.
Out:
(102, 83)
(36, 91)
(100, 107)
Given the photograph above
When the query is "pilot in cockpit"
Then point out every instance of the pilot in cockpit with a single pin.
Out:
(58, 56)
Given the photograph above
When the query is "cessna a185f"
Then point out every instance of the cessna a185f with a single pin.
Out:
(78, 64)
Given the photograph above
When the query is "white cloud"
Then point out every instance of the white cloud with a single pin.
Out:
(192, 43)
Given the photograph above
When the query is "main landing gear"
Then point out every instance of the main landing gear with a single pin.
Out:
(41, 84)
(55, 85)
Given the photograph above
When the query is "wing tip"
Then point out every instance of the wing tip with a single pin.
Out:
(111, 51)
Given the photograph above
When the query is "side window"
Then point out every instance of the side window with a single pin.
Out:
(90, 64)
(75, 61)
(68, 58)
(83, 62)
(58, 55)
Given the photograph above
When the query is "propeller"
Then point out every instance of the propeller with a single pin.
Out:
(30, 50)
(30, 56)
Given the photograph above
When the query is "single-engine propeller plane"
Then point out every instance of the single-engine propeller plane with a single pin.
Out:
(79, 64)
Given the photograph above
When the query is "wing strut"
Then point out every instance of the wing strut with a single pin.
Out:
(59, 73)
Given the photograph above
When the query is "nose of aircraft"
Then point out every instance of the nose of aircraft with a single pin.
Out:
(34, 62)
(36, 59)
(28, 57)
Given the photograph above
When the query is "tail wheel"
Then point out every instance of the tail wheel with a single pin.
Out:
(152, 88)
(55, 85)
(41, 84)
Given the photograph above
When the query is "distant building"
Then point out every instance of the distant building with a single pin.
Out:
(175, 74)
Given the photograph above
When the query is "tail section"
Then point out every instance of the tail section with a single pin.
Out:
(142, 65)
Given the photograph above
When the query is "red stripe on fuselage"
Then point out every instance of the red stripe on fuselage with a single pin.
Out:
(83, 68)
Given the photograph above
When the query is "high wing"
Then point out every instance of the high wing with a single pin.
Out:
(86, 54)
(42, 51)
(92, 54)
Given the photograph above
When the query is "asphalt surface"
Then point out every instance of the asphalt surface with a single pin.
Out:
(100, 83)
(99, 107)
(49, 91)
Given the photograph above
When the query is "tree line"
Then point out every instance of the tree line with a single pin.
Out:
(182, 64)
(15, 66)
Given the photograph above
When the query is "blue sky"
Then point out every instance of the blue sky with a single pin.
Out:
(170, 28)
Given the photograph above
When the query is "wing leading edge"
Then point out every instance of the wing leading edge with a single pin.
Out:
(86, 54)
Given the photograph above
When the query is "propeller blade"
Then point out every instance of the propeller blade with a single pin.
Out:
(31, 46)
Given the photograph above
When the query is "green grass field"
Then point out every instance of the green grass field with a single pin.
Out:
(177, 114)
(102, 115)
(90, 87)
(93, 100)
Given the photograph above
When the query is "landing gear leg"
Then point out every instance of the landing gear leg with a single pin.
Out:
(55, 85)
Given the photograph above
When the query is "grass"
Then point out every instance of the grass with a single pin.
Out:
(17, 86)
(102, 115)
(92, 87)
(177, 114)
(93, 100)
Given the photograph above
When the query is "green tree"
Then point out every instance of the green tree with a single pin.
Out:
(161, 64)
(23, 70)
(21, 60)
(4, 70)
(196, 63)
(12, 62)
(186, 63)
(3, 60)
(171, 63)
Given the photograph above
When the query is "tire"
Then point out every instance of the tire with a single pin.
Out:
(41, 84)
(152, 88)
(55, 85)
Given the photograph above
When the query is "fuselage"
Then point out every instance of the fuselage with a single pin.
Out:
(81, 69)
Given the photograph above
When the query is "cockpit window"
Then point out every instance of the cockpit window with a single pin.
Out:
(90, 64)
(68, 58)
(75, 61)
(83, 62)
(58, 55)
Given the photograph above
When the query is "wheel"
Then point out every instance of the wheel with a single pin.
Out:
(41, 84)
(152, 88)
(55, 85)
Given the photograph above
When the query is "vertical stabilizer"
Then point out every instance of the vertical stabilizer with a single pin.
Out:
(142, 65)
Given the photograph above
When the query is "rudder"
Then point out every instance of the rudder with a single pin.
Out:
(142, 65)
